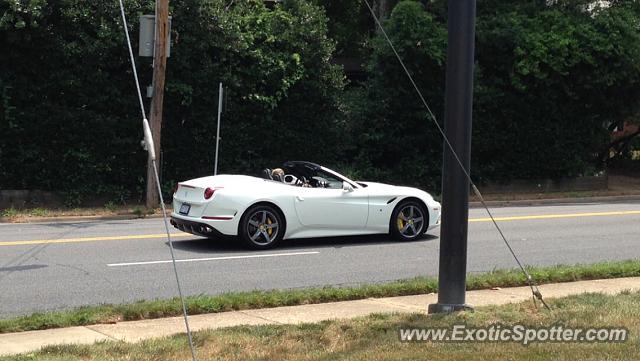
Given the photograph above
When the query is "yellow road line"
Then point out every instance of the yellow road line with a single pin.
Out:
(94, 239)
(181, 234)
(551, 216)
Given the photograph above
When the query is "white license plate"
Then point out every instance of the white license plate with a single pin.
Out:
(184, 208)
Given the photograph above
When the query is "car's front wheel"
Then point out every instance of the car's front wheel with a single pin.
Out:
(261, 227)
(408, 220)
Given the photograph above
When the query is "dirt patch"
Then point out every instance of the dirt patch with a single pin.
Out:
(618, 185)
(14, 215)
(624, 182)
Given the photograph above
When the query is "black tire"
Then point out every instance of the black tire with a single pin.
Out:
(261, 227)
(409, 221)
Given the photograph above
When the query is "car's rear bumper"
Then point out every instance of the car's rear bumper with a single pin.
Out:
(194, 227)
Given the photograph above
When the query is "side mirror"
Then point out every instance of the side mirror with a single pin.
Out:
(347, 187)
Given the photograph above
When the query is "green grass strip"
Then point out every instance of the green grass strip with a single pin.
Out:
(376, 337)
(263, 299)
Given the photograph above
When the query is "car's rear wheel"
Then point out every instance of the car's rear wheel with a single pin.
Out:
(409, 220)
(261, 227)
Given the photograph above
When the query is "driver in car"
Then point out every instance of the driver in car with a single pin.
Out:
(278, 174)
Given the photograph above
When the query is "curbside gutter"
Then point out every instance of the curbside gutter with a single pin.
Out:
(475, 204)
(115, 217)
(551, 201)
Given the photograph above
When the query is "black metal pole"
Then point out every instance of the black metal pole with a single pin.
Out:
(455, 185)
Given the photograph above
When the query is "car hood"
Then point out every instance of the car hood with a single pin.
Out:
(383, 186)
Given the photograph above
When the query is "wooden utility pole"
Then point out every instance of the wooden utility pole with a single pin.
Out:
(155, 117)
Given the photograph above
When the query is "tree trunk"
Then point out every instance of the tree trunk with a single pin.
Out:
(383, 8)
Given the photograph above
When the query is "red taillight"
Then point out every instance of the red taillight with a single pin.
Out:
(175, 188)
(208, 193)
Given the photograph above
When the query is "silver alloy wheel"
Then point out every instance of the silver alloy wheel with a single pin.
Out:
(262, 227)
(410, 221)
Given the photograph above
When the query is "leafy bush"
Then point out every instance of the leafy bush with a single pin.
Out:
(395, 139)
(549, 80)
(69, 117)
(550, 77)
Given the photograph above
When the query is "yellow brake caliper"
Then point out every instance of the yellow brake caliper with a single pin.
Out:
(400, 222)
(269, 230)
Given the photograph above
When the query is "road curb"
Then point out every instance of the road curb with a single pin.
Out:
(552, 201)
(475, 204)
(117, 217)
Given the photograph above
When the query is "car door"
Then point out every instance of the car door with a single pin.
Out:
(337, 208)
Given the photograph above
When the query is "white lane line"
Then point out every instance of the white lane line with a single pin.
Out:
(212, 259)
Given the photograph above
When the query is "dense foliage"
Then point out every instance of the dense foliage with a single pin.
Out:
(281, 100)
(350, 25)
(70, 119)
(395, 138)
(550, 78)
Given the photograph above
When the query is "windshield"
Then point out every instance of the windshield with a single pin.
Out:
(307, 174)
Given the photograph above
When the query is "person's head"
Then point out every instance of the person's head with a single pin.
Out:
(277, 171)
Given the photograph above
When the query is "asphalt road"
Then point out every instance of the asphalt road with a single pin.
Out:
(52, 266)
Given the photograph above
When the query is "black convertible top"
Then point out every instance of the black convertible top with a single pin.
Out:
(294, 164)
(301, 168)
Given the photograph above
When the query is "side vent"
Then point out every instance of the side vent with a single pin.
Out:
(391, 200)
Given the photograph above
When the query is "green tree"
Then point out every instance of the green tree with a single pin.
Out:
(66, 75)
(396, 139)
(350, 25)
(549, 80)
(281, 89)
(70, 118)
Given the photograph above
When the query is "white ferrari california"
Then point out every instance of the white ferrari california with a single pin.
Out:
(301, 200)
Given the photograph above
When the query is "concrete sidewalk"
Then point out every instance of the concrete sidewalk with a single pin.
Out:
(133, 331)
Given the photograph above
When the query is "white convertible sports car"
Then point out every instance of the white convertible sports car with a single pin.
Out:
(308, 200)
